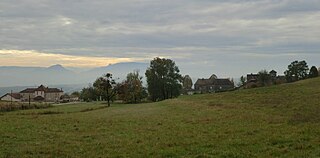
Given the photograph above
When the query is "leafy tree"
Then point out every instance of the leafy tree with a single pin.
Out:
(164, 80)
(264, 77)
(243, 81)
(89, 94)
(313, 72)
(187, 82)
(297, 70)
(76, 94)
(132, 90)
(106, 87)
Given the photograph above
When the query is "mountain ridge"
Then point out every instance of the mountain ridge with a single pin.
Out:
(12, 76)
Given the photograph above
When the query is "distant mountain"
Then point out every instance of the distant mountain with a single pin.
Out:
(13, 76)
(57, 68)
(119, 70)
(21, 76)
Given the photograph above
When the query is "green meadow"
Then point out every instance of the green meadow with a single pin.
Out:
(276, 121)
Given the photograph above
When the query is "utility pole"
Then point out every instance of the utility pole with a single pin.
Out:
(29, 100)
(11, 97)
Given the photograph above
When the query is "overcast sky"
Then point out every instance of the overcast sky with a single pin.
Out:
(226, 37)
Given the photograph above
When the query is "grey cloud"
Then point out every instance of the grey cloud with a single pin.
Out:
(217, 33)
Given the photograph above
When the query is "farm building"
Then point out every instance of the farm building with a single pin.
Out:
(213, 84)
(41, 94)
(15, 97)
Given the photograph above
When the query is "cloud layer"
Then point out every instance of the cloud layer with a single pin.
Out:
(229, 38)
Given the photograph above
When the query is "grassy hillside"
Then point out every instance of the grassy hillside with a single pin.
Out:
(278, 121)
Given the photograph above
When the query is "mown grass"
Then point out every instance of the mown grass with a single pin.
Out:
(277, 121)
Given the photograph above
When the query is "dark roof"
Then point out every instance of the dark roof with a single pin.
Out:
(53, 90)
(14, 95)
(253, 75)
(204, 82)
(272, 71)
(213, 82)
(29, 90)
(42, 88)
(223, 82)
(281, 77)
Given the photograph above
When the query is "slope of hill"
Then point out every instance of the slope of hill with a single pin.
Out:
(277, 121)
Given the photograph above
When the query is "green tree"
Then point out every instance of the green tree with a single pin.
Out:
(106, 87)
(264, 77)
(76, 94)
(89, 94)
(313, 72)
(243, 81)
(297, 70)
(132, 90)
(163, 79)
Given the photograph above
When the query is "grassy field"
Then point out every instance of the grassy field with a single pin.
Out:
(277, 121)
(6, 106)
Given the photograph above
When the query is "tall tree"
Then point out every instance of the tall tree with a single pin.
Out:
(163, 79)
(313, 72)
(106, 86)
(297, 70)
(131, 90)
(264, 77)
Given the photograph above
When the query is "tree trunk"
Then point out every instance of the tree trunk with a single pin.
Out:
(108, 97)
(108, 102)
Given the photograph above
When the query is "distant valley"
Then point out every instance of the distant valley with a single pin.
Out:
(17, 78)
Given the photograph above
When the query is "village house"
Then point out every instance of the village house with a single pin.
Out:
(41, 94)
(15, 97)
(213, 84)
(69, 98)
(253, 79)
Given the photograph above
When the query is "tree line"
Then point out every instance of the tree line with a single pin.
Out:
(296, 71)
(164, 81)
(163, 77)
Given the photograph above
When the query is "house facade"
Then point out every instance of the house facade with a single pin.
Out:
(41, 94)
(213, 84)
(15, 97)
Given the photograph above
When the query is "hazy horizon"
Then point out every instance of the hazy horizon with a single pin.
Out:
(226, 38)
